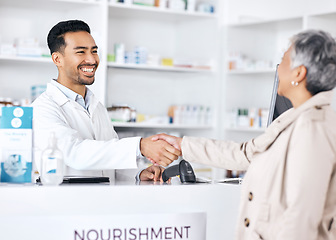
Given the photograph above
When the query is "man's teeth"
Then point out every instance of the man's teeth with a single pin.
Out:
(87, 69)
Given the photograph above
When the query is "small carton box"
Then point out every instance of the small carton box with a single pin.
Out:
(16, 144)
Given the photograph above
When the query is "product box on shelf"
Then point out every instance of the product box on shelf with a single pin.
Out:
(28, 47)
(7, 50)
(144, 2)
(16, 144)
(37, 90)
(177, 4)
(248, 118)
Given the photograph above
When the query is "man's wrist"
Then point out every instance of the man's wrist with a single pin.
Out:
(142, 146)
(137, 177)
(139, 149)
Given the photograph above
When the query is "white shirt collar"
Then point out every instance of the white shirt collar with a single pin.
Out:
(85, 103)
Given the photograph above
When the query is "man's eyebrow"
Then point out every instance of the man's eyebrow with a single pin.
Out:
(80, 47)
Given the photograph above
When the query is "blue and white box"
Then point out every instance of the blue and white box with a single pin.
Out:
(16, 144)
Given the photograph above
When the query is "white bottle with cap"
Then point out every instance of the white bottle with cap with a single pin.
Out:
(52, 163)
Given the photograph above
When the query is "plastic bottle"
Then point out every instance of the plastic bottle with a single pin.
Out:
(52, 163)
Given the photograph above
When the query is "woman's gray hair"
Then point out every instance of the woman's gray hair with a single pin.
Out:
(316, 50)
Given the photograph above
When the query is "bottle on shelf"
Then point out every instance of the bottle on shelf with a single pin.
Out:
(52, 163)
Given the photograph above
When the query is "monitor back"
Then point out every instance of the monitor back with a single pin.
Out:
(279, 104)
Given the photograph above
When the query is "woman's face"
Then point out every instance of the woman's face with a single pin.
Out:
(285, 74)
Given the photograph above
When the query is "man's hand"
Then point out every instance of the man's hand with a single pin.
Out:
(172, 140)
(159, 151)
(152, 173)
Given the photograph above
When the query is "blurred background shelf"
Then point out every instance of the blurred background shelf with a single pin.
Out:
(158, 68)
(155, 13)
(57, 5)
(26, 59)
(252, 71)
(161, 126)
(246, 129)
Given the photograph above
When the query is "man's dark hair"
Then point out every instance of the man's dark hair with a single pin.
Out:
(55, 39)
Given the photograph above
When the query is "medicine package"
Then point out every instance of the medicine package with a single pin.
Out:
(16, 144)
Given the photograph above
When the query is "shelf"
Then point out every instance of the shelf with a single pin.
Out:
(26, 59)
(58, 5)
(155, 13)
(157, 68)
(252, 71)
(245, 129)
(157, 125)
(328, 14)
(264, 22)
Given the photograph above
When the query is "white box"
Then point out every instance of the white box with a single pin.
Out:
(16, 144)
(7, 50)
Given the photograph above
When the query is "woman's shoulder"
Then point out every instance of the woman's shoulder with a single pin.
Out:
(319, 117)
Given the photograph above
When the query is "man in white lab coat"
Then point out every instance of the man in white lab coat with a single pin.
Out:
(80, 122)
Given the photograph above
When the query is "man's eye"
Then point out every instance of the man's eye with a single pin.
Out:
(80, 52)
(95, 51)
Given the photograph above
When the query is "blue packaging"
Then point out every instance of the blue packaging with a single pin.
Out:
(16, 144)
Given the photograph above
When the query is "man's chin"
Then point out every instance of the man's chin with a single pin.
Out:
(88, 81)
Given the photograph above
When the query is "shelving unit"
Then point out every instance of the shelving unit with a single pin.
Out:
(267, 40)
(22, 19)
(169, 34)
(150, 89)
(202, 37)
(263, 35)
(259, 39)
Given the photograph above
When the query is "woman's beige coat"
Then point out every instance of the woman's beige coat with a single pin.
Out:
(289, 190)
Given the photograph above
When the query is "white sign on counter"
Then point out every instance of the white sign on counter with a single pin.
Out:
(106, 227)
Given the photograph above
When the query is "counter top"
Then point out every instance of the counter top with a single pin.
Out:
(218, 200)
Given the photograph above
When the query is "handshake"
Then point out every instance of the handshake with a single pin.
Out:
(161, 149)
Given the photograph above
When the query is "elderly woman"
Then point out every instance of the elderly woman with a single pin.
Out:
(289, 190)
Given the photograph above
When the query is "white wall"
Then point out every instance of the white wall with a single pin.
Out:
(246, 10)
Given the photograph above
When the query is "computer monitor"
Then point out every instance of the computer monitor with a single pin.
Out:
(279, 104)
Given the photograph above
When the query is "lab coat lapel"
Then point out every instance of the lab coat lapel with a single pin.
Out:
(59, 98)
(93, 105)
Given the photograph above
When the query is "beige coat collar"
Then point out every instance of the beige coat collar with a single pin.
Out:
(264, 141)
(317, 101)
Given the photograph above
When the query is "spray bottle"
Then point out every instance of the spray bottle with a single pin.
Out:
(52, 163)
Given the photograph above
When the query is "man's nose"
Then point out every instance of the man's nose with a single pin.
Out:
(91, 58)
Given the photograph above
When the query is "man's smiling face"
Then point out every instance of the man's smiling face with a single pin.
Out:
(79, 58)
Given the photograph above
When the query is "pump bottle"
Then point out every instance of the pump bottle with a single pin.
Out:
(52, 163)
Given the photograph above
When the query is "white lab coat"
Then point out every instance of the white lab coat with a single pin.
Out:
(86, 138)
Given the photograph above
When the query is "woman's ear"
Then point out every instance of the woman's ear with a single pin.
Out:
(301, 73)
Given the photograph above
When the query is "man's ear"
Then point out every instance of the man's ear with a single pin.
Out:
(300, 73)
(57, 58)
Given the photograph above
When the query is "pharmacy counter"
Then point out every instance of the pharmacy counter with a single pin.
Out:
(122, 211)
